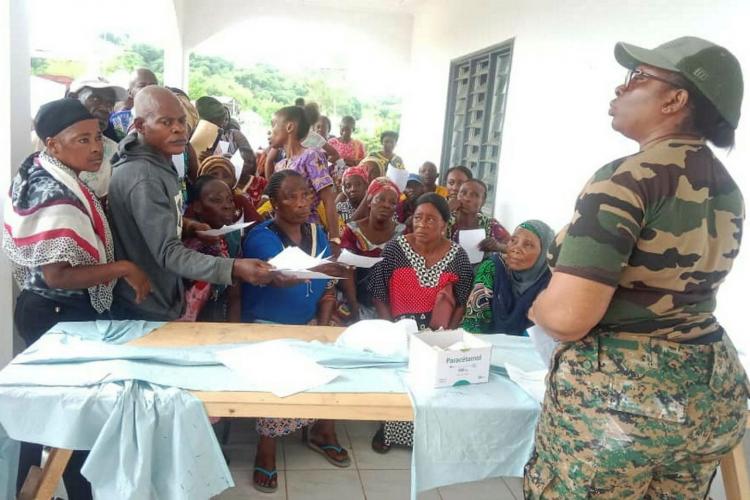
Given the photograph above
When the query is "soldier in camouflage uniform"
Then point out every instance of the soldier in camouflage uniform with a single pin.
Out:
(646, 403)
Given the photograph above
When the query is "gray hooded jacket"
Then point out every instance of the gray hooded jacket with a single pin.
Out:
(145, 211)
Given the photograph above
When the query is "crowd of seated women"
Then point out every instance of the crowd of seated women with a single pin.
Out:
(140, 251)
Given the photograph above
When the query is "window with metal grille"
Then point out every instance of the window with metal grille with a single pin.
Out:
(476, 110)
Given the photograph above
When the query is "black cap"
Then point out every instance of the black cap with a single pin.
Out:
(55, 116)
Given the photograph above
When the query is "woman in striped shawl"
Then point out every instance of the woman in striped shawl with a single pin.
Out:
(55, 231)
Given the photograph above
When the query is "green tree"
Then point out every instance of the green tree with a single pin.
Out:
(261, 88)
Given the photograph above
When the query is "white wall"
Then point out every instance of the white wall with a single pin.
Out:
(557, 132)
(15, 127)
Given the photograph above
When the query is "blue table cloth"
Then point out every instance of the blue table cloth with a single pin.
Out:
(78, 387)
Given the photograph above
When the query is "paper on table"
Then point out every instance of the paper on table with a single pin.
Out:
(226, 229)
(469, 240)
(352, 259)
(238, 162)
(276, 367)
(179, 164)
(399, 176)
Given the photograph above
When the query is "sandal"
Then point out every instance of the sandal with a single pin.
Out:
(378, 442)
(323, 449)
(270, 474)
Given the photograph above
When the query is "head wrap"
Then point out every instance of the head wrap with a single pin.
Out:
(210, 109)
(360, 171)
(216, 161)
(381, 183)
(55, 116)
(522, 280)
(437, 201)
(381, 162)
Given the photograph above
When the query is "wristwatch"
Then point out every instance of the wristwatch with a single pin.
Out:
(336, 240)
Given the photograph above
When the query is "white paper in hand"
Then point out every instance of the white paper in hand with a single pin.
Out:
(222, 148)
(469, 240)
(237, 162)
(352, 259)
(276, 368)
(226, 229)
(399, 176)
(294, 259)
(179, 164)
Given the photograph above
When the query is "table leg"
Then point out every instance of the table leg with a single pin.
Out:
(734, 473)
(40, 483)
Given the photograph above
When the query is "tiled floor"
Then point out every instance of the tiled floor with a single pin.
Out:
(305, 475)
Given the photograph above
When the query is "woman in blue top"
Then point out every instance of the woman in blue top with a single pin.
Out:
(310, 302)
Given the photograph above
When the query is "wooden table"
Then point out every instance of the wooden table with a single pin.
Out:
(40, 484)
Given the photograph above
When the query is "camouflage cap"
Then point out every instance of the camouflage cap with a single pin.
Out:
(712, 69)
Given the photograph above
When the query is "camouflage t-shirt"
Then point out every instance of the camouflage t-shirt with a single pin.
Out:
(663, 226)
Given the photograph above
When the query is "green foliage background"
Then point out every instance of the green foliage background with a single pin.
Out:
(261, 88)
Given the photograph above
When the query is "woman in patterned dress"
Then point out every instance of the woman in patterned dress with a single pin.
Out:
(290, 127)
(368, 237)
(505, 286)
(423, 276)
(468, 215)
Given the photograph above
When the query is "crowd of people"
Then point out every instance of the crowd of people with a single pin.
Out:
(108, 219)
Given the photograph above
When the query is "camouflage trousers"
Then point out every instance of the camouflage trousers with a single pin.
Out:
(636, 417)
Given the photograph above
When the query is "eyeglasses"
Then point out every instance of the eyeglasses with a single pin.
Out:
(636, 75)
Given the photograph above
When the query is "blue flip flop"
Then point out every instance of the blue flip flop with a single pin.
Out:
(270, 474)
(321, 448)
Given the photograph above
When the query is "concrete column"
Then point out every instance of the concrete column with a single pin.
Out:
(15, 142)
(176, 61)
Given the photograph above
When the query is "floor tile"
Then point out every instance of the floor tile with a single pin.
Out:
(489, 489)
(391, 485)
(244, 490)
(298, 456)
(324, 485)
(367, 459)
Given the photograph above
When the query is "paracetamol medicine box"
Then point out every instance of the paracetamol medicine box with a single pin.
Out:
(448, 357)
